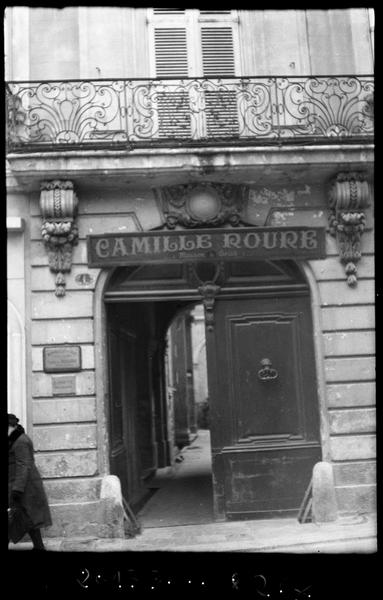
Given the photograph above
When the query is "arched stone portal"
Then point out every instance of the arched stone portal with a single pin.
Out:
(261, 424)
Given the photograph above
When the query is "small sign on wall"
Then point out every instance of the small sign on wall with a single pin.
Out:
(61, 359)
(64, 385)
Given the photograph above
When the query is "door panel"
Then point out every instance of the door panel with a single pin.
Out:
(268, 482)
(118, 450)
(129, 384)
(264, 426)
(124, 455)
(265, 407)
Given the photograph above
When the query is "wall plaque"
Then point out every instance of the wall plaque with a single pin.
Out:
(248, 243)
(61, 359)
(64, 385)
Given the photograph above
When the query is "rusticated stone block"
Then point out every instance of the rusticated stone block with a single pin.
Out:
(67, 464)
(332, 293)
(355, 473)
(353, 447)
(349, 343)
(353, 421)
(73, 490)
(344, 369)
(351, 394)
(64, 410)
(341, 318)
(63, 331)
(74, 304)
(101, 519)
(65, 437)
(356, 499)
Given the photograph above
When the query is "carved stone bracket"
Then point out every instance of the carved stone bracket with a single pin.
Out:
(202, 204)
(349, 195)
(209, 291)
(58, 203)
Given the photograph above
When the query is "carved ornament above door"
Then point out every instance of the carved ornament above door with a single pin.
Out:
(203, 205)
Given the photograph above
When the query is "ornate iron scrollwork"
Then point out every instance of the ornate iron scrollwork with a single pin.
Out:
(125, 111)
(267, 373)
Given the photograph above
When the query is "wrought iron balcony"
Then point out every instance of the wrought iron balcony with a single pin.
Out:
(131, 113)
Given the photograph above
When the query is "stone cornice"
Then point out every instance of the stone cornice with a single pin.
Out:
(286, 149)
(114, 167)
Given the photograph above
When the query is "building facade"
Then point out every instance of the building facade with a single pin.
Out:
(160, 160)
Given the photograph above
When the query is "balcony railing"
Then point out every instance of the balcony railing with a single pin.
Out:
(132, 113)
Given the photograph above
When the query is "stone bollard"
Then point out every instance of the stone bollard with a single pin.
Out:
(112, 512)
(111, 488)
(324, 504)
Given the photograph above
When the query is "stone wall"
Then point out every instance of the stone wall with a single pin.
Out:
(68, 436)
(349, 353)
(102, 42)
(66, 431)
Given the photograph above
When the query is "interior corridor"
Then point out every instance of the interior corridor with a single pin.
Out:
(183, 496)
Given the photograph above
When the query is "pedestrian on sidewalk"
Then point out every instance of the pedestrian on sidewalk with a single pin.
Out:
(26, 495)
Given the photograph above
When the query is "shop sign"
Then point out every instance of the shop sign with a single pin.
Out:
(251, 243)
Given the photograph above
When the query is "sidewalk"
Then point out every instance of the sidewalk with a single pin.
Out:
(356, 534)
(179, 517)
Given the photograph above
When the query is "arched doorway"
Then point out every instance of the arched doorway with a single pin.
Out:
(264, 416)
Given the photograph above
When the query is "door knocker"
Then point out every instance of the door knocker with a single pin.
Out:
(267, 373)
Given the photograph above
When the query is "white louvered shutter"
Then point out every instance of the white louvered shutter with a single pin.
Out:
(171, 53)
(217, 51)
(195, 43)
(168, 11)
(171, 56)
(218, 61)
(214, 12)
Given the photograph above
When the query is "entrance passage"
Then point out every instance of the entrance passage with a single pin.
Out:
(261, 386)
(183, 496)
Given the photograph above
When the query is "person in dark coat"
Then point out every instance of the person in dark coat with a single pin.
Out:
(25, 486)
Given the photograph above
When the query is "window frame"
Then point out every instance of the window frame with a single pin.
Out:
(193, 21)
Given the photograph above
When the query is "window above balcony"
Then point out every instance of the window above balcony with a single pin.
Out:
(193, 43)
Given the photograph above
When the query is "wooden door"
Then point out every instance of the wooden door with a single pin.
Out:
(264, 407)
(124, 457)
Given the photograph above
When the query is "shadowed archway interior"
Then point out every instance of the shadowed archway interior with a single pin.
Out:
(263, 406)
